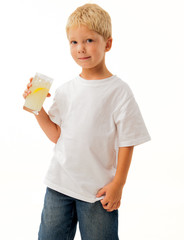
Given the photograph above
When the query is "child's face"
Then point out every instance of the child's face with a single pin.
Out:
(87, 47)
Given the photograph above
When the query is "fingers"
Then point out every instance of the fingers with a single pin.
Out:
(27, 91)
(109, 207)
(29, 85)
(101, 192)
(116, 205)
(104, 201)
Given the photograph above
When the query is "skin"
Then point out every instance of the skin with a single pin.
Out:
(113, 190)
(51, 129)
(88, 49)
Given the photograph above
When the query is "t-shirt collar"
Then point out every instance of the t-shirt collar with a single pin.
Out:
(96, 81)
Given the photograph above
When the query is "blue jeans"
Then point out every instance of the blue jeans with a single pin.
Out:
(61, 213)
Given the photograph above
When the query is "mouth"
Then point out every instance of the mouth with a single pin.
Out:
(84, 58)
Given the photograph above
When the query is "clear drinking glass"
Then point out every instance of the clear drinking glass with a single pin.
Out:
(39, 90)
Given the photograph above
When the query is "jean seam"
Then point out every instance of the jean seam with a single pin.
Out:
(70, 227)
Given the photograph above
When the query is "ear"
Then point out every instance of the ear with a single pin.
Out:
(108, 44)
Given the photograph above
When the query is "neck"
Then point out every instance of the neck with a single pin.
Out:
(99, 72)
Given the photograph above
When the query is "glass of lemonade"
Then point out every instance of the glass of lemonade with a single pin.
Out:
(39, 90)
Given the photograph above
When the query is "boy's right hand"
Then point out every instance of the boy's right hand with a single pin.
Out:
(27, 91)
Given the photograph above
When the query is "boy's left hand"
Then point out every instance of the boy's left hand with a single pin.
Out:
(112, 199)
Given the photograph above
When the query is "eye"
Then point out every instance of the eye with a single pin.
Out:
(89, 40)
(73, 42)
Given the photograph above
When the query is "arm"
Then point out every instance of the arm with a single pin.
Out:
(124, 160)
(51, 129)
(113, 190)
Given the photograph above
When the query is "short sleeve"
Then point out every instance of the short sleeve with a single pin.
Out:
(54, 112)
(131, 129)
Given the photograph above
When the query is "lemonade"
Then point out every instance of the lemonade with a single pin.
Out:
(39, 90)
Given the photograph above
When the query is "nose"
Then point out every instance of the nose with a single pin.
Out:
(81, 48)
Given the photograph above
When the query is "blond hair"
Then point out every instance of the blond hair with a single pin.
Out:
(92, 16)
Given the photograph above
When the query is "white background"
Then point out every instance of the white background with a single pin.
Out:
(148, 53)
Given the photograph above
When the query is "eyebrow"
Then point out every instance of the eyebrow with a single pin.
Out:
(72, 38)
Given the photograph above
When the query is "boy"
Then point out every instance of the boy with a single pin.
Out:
(95, 123)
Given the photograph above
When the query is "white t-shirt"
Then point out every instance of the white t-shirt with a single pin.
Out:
(96, 118)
